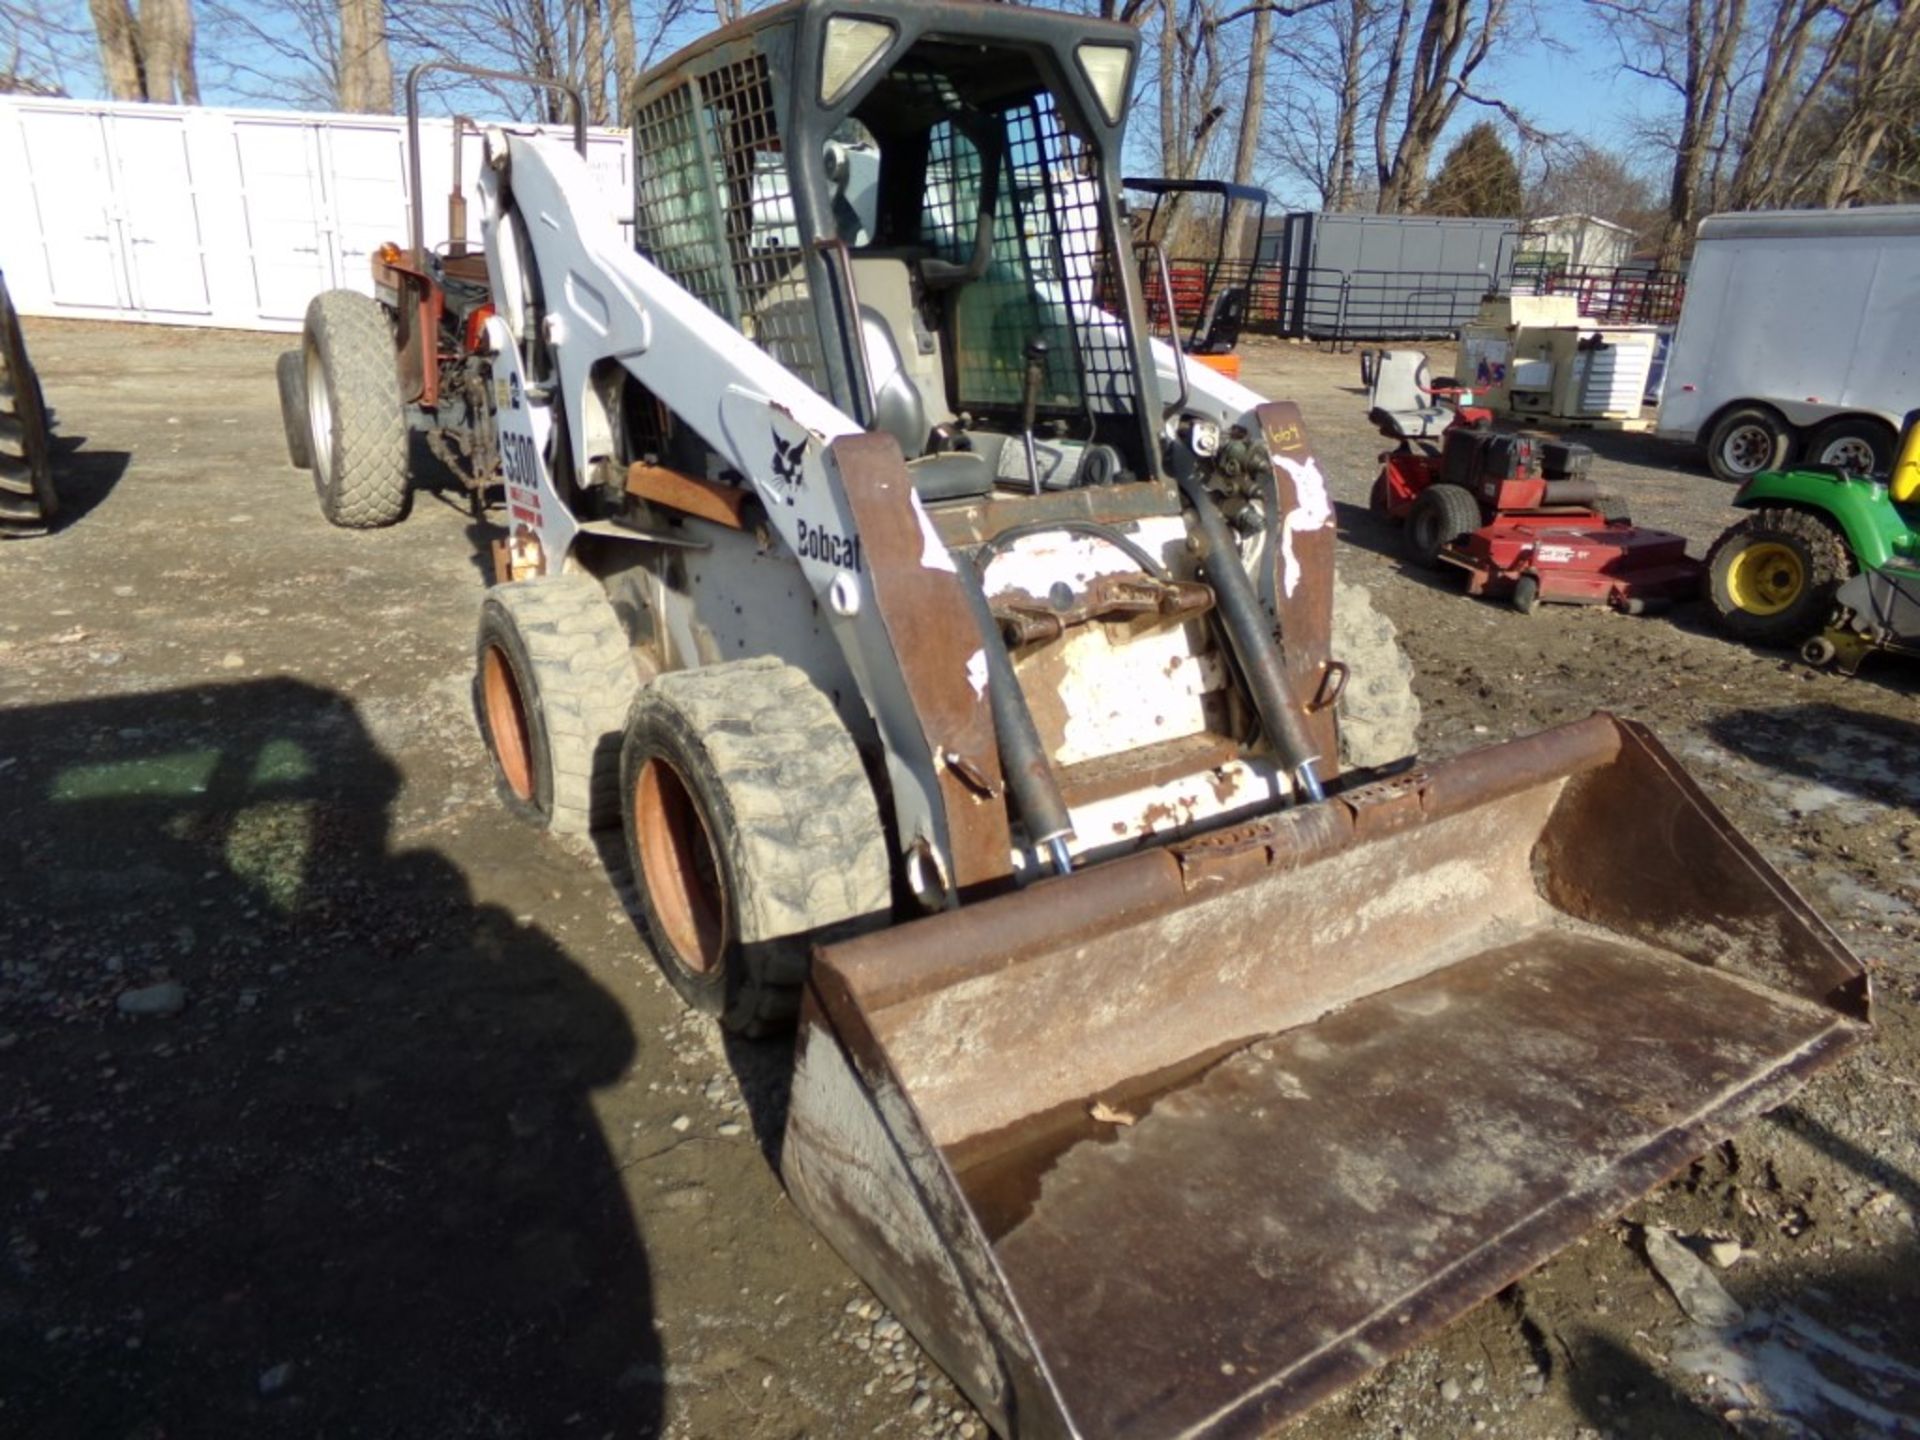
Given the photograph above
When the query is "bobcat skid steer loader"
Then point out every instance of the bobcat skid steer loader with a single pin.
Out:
(973, 685)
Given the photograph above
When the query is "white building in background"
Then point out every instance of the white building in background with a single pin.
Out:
(1577, 241)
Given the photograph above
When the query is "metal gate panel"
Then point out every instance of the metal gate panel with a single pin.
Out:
(366, 173)
(166, 252)
(289, 244)
(70, 177)
(210, 216)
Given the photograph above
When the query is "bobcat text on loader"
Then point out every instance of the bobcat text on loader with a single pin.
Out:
(1517, 513)
(973, 685)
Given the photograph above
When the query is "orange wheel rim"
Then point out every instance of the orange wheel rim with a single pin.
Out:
(507, 722)
(680, 867)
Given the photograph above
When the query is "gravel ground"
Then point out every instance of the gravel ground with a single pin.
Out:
(332, 1101)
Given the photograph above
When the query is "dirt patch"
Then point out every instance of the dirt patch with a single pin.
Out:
(421, 1144)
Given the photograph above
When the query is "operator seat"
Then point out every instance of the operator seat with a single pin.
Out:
(1399, 395)
(901, 404)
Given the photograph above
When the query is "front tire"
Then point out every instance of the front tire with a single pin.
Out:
(553, 678)
(356, 425)
(1771, 578)
(753, 833)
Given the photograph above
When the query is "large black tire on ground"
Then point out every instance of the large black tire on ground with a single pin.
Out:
(357, 424)
(1440, 515)
(28, 502)
(1747, 440)
(1378, 713)
(290, 373)
(553, 678)
(753, 833)
(1807, 546)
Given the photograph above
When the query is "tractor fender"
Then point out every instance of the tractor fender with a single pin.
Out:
(1873, 525)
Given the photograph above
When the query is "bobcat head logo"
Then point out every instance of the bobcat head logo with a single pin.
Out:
(787, 458)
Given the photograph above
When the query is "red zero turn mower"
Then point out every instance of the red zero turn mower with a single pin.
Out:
(1518, 513)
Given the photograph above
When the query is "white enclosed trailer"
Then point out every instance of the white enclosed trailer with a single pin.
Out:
(1797, 341)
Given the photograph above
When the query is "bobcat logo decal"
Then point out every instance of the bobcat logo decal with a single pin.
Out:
(787, 458)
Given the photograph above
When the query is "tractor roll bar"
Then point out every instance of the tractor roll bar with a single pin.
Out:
(419, 226)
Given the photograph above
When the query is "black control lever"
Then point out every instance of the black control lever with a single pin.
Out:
(1036, 376)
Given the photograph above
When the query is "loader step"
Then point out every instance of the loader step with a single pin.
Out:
(1343, 1187)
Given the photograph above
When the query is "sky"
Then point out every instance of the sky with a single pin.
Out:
(1568, 85)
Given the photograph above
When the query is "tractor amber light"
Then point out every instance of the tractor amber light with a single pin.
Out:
(1105, 67)
(476, 335)
(389, 253)
(851, 48)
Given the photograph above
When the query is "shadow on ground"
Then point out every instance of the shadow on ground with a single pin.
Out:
(1857, 752)
(348, 1179)
(82, 478)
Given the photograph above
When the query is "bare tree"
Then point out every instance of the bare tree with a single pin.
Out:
(148, 54)
(364, 67)
(119, 38)
(166, 52)
(38, 46)
(1783, 102)
(1454, 41)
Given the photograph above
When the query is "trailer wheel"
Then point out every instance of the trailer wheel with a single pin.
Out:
(553, 678)
(1857, 444)
(1771, 578)
(753, 833)
(1378, 715)
(356, 426)
(290, 370)
(1440, 516)
(1747, 440)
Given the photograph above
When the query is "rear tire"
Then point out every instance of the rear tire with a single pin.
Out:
(356, 425)
(28, 503)
(1440, 516)
(1771, 578)
(753, 834)
(1747, 440)
(290, 370)
(553, 677)
(1378, 715)
(1856, 444)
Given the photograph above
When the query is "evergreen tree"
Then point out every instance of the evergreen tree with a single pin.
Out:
(1478, 177)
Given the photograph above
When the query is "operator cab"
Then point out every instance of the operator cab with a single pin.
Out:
(911, 207)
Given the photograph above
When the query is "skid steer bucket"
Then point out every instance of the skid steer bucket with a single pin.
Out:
(1179, 1144)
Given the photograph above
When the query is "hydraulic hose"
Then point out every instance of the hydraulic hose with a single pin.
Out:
(1251, 637)
(1023, 758)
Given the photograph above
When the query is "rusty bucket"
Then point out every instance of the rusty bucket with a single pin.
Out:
(1181, 1143)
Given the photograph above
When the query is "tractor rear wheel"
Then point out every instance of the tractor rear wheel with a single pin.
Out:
(356, 426)
(28, 503)
(553, 679)
(1771, 578)
(753, 833)
(1440, 516)
(1378, 714)
(290, 371)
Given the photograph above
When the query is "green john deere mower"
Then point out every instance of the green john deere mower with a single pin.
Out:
(1828, 560)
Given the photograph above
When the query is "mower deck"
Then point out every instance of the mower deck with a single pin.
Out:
(1580, 559)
